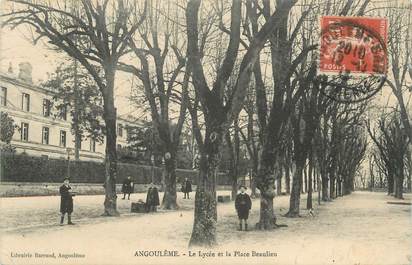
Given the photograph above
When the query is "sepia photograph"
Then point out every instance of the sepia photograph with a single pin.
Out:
(206, 132)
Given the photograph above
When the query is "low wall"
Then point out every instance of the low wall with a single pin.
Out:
(21, 168)
(20, 189)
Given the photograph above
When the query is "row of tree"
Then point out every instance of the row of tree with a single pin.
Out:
(391, 132)
(244, 71)
(391, 157)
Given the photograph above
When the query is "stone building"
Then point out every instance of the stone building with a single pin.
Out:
(41, 133)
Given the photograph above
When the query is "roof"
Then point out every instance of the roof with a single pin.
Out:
(12, 79)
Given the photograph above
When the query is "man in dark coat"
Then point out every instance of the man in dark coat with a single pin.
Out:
(66, 202)
(186, 188)
(127, 188)
(152, 198)
(243, 204)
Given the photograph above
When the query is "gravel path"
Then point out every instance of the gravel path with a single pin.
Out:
(357, 229)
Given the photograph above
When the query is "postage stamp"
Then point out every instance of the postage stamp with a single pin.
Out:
(355, 45)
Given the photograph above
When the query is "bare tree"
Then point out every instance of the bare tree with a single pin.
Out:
(400, 54)
(273, 112)
(162, 69)
(219, 112)
(392, 143)
(96, 34)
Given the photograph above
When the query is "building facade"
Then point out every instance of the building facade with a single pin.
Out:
(41, 132)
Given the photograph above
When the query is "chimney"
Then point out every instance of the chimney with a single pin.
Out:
(25, 70)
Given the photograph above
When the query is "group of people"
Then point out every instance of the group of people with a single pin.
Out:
(243, 203)
(127, 189)
(152, 197)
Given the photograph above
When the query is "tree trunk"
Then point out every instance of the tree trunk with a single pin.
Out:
(325, 188)
(294, 202)
(253, 181)
(305, 176)
(345, 188)
(234, 189)
(279, 185)
(409, 167)
(77, 134)
(381, 184)
(267, 218)
(372, 184)
(339, 187)
(390, 184)
(109, 115)
(266, 185)
(399, 182)
(169, 201)
(399, 189)
(332, 187)
(278, 173)
(287, 179)
(77, 142)
(310, 173)
(204, 227)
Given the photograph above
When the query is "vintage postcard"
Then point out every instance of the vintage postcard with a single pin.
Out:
(206, 132)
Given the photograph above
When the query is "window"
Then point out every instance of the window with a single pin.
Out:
(46, 107)
(63, 138)
(25, 102)
(92, 145)
(120, 130)
(4, 96)
(63, 113)
(45, 135)
(24, 131)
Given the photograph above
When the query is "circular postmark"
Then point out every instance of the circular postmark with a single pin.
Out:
(353, 58)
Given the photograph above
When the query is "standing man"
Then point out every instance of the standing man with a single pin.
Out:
(66, 201)
(127, 187)
(186, 188)
(243, 204)
(152, 198)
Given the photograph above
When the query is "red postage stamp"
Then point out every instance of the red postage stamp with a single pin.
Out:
(355, 45)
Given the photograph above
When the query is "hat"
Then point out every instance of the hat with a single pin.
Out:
(242, 186)
(66, 178)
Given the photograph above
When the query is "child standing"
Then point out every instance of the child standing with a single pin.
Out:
(243, 204)
(66, 201)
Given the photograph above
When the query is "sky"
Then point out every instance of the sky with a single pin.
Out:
(16, 47)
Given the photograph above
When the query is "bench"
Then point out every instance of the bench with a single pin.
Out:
(138, 207)
(223, 198)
